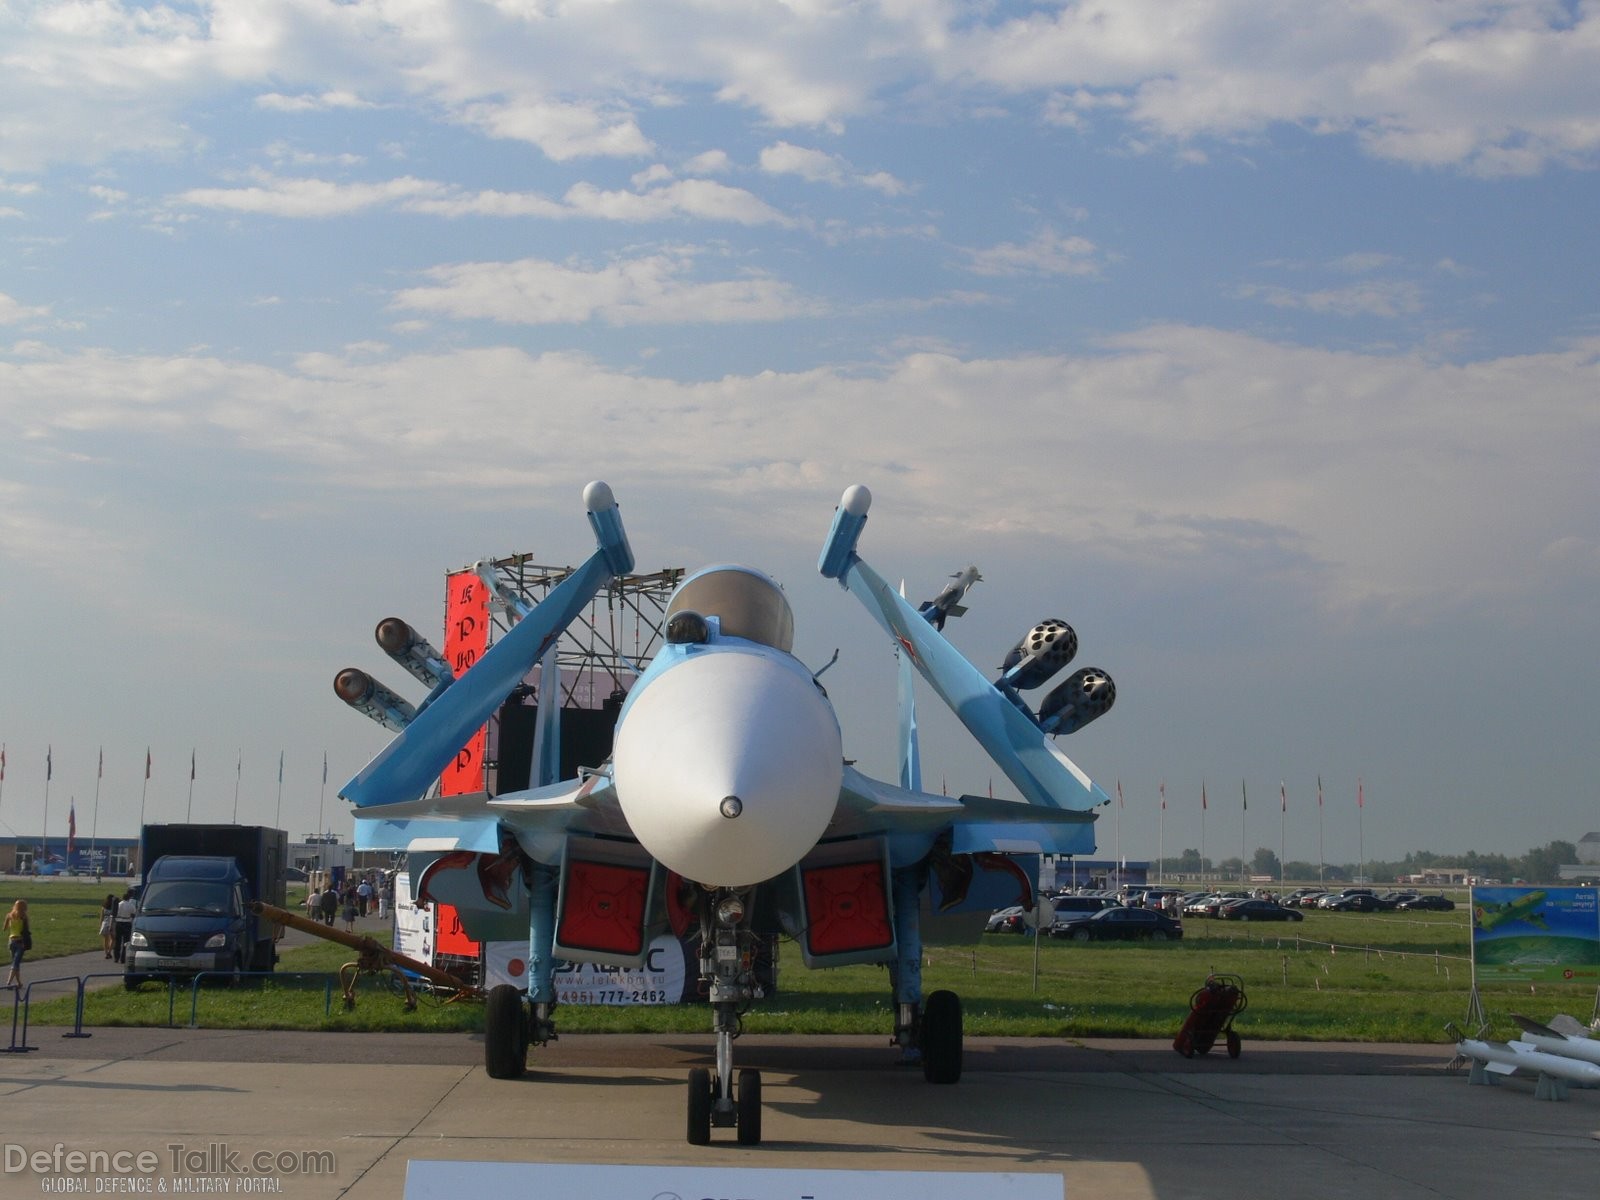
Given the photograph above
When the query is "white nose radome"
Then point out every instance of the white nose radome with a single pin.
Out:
(729, 725)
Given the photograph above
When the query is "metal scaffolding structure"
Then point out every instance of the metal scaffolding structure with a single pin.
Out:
(602, 651)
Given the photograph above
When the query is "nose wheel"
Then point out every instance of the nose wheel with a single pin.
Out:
(714, 1103)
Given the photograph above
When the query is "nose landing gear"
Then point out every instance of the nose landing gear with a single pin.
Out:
(727, 958)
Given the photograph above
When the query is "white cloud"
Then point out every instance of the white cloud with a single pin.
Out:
(654, 290)
(1046, 253)
(1377, 298)
(313, 198)
(1495, 89)
(816, 166)
(326, 101)
(307, 198)
(1360, 474)
(712, 162)
(13, 312)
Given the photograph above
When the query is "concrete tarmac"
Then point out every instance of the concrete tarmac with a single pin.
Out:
(1114, 1120)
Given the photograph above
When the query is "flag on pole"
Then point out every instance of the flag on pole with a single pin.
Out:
(1319, 791)
(280, 766)
(1119, 793)
(239, 770)
(1244, 794)
(147, 762)
(72, 827)
(2, 764)
(100, 771)
(1361, 798)
(1163, 790)
(324, 766)
(1283, 795)
(49, 762)
(1202, 797)
(191, 766)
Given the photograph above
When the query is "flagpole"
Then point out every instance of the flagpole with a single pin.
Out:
(1361, 845)
(238, 776)
(324, 796)
(94, 820)
(1118, 834)
(143, 789)
(1283, 834)
(1245, 807)
(1161, 837)
(277, 817)
(49, 770)
(1321, 862)
(1202, 832)
(188, 815)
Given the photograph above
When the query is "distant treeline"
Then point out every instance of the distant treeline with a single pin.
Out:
(1536, 866)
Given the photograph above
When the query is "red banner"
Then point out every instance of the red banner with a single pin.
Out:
(466, 637)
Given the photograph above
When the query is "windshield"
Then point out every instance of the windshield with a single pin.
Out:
(189, 896)
(746, 604)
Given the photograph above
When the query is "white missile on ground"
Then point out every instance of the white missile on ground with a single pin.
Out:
(1502, 1058)
(1571, 1042)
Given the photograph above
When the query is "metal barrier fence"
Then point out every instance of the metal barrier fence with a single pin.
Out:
(22, 1001)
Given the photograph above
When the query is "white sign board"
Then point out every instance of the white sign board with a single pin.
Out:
(452, 1180)
(659, 980)
(413, 924)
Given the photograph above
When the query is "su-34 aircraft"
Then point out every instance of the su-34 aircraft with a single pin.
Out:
(727, 809)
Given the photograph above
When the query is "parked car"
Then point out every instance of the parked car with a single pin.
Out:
(1119, 924)
(1005, 920)
(1329, 899)
(1428, 904)
(1358, 902)
(1208, 906)
(1259, 910)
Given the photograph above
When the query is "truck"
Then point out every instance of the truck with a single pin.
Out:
(194, 903)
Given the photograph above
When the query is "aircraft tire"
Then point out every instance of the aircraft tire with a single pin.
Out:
(1233, 1044)
(505, 1042)
(749, 1107)
(941, 1038)
(699, 1132)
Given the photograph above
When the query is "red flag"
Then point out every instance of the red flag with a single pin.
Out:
(72, 827)
(1361, 799)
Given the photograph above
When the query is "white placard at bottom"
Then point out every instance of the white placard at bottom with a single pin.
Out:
(435, 1180)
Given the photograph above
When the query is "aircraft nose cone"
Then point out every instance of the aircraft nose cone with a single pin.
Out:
(728, 766)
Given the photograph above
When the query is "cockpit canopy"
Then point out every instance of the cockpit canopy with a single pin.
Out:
(746, 603)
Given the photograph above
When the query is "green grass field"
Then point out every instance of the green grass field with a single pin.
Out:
(1340, 977)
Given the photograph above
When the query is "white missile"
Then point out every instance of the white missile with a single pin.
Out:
(1503, 1057)
(1582, 1049)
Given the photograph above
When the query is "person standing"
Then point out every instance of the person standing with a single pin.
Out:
(127, 909)
(20, 940)
(364, 895)
(330, 904)
(108, 923)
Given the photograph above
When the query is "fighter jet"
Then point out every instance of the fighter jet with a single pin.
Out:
(726, 811)
(1490, 915)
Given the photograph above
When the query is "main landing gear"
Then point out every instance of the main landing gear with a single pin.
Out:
(931, 1035)
(510, 1025)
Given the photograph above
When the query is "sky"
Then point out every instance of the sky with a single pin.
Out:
(1259, 341)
